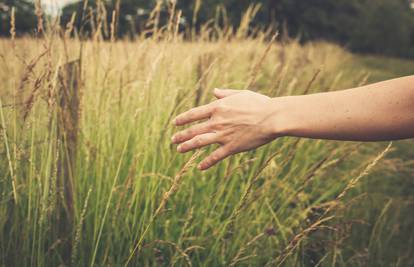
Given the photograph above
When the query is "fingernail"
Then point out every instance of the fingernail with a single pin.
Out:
(173, 139)
(179, 148)
(200, 166)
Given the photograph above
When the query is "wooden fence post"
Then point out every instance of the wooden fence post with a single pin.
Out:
(67, 142)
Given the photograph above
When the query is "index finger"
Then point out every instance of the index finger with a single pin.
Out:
(194, 114)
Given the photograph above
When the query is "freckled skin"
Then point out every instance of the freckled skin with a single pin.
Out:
(243, 120)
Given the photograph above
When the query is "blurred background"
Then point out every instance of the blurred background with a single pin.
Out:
(384, 27)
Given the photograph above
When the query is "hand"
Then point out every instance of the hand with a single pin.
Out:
(238, 121)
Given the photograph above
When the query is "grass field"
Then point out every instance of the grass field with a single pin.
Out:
(136, 202)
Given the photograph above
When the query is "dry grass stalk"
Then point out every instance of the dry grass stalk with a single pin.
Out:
(27, 73)
(248, 16)
(314, 77)
(39, 15)
(104, 18)
(113, 26)
(182, 252)
(92, 22)
(101, 28)
(197, 6)
(365, 172)
(84, 15)
(128, 182)
(256, 68)
(171, 9)
(244, 164)
(299, 237)
(32, 98)
(243, 201)
(355, 180)
(187, 223)
(13, 26)
(319, 166)
(69, 26)
(49, 199)
(118, 12)
(167, 195)
(9, 159)
(364, 79)
(238, 258)
(204, 67)
(177, 24)
(294, 243)
(154, 19)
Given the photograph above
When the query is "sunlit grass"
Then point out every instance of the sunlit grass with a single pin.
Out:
(136, 201)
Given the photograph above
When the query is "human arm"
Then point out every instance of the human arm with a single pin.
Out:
(243, 120)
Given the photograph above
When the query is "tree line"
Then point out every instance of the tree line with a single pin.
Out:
(368, 26)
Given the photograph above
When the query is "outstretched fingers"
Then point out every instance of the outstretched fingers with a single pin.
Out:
(191, 132)
(199, 141)
(194, 114)
(202, 135)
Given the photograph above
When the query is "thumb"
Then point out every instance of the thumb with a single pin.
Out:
(222, 93)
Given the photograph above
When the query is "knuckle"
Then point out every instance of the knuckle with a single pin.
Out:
(219, 107)
(215, 109)
(209, 124)
(223, 140)
(213, 123)
(220, 125)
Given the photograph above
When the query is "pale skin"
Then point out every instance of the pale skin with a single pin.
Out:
(241, 120)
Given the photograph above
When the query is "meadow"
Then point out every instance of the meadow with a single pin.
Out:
(128, 198)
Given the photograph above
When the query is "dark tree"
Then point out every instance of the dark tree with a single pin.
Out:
(374, 26)
(25, 18)
(384, 27)
(131, 18)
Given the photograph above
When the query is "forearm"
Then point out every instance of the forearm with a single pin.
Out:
(382, 111)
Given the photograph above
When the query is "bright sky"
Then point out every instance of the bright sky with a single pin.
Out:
(53, 6)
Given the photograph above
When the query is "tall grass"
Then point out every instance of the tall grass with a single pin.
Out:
(137, 202)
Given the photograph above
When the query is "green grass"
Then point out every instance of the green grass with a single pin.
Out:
(276, 206)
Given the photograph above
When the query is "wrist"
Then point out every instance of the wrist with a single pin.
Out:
(283, 119)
